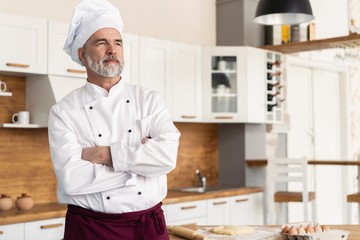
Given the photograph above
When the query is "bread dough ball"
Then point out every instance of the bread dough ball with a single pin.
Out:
(232, 230)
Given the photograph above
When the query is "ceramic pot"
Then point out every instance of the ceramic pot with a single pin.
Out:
(6, 202)
(24, 202)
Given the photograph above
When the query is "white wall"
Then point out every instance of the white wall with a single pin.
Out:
(188, 21)
(330, 18)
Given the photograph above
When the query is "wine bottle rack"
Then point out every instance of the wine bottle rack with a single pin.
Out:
(274, 87)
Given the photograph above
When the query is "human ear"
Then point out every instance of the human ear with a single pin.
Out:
(81, 54)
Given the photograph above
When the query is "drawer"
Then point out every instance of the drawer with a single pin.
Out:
(186, 210)
(51, 229)
(12, 231)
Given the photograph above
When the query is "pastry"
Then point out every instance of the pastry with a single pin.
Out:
(232, 230)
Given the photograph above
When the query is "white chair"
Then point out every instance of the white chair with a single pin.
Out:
(353, 199)
(285, 171)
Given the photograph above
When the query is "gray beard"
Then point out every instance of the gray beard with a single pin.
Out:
(106, 71)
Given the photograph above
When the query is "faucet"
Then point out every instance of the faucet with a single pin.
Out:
(202, 179)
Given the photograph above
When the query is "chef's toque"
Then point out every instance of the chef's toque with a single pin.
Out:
(88, 17)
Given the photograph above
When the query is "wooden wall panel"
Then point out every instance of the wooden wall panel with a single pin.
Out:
(15, 103)
(25, 164)
(198, 150)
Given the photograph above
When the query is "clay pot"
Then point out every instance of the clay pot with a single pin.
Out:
(6, 202)
(24, 202)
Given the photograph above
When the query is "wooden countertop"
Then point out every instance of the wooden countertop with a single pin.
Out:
(263, 162)
(353, 229)
(55, 210)
(38, 212)
(178, 196)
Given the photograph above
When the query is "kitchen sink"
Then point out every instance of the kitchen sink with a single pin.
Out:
(206, 189)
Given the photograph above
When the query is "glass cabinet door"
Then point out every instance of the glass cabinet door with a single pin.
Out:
(224, 84)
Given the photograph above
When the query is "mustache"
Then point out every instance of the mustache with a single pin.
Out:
(111, 58)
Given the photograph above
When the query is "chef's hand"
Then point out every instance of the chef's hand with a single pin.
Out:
(100, 155)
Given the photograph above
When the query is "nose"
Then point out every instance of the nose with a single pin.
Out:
(111, 50)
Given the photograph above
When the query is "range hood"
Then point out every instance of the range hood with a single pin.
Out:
(43, 91)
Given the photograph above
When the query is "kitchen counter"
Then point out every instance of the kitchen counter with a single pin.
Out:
(353, 229)
(54, 210)
(179, 196)
(38, 212)
(263, 162)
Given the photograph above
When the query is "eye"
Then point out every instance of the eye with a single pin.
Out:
(99, 43)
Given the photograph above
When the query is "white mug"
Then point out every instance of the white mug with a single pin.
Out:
(21, 117)
(2, 86)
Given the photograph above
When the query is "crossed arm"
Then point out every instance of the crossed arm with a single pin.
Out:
(100, 154)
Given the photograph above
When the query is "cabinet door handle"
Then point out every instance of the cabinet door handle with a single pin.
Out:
(188, 207)
(17, 65)
(55, 225)
(1, 232)
(220, 203)
(75, 71)
(224, 117)
(242, 200)
(187, 116)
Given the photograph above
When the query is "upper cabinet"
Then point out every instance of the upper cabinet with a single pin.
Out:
(212, 84)
(23, 44)
(130, 73)
(242, 84)
(186, 82)
(155, 66)
(234, 84)
(59, 62)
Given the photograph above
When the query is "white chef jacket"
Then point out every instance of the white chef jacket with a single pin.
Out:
(91, 116)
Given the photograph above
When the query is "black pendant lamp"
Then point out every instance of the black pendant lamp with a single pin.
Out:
(280, 12)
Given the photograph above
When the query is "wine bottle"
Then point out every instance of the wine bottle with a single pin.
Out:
(270, 96)
(271, 64)
(271, 106)
(271, 75)
(271, 85)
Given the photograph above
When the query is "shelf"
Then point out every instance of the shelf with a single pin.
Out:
(15, 125)
(6, 94)
(314, 45)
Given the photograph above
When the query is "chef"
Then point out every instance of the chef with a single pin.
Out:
(112, 144)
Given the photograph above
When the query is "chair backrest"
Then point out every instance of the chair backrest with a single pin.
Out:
(287, 170)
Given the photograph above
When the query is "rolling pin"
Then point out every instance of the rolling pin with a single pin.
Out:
(185, 233)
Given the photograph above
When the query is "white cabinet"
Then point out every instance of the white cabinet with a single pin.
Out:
(234, 210)
(247, 209)
(59, 62)
(234, 84)
(218, 211)
(51, 229)
(193, 212)
(130, 72)
(23, 44)
(12, 231)
(240, 209)
(155, 66)
(256, 209)
(186, 82)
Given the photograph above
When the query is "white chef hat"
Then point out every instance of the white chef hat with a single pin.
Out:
(88, 17)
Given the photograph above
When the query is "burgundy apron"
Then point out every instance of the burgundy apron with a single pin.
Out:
(84, 224)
